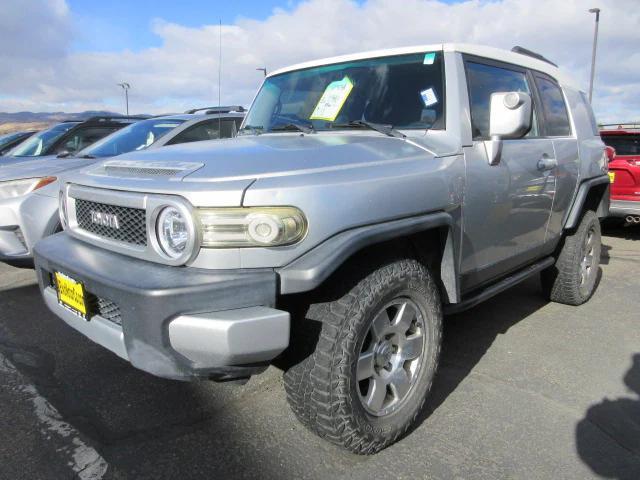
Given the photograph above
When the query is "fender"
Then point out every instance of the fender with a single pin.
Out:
(573, 216)
(311, 269)
(53, 226)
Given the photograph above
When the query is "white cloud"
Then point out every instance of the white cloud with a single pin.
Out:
(182, 72)
(34, 30)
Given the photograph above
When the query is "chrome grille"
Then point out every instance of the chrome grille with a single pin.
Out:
(132, 222)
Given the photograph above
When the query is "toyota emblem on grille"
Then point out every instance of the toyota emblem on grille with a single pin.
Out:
(105, 219)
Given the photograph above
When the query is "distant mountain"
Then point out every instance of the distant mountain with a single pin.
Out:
(50, 117)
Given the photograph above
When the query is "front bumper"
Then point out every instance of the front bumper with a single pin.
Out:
(173, 322)
(23, 221)
(622, 208)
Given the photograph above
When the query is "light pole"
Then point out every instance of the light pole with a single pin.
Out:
(125, 86)
(263, 70)
(593, 53)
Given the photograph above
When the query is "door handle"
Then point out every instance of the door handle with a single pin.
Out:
(547, 163)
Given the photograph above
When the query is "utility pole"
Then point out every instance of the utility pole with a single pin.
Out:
(219, 61)
(593, 52)
(263, 70)
(125, 86)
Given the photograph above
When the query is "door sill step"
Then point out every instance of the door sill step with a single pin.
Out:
(500, 286)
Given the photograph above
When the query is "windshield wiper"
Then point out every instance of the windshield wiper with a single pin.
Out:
(255, 129)
(294, 126)
(378, 127)
(87, 156)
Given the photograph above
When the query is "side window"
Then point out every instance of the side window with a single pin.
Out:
(209, 130)
(85, 137)
(483, 80)
(553, 107)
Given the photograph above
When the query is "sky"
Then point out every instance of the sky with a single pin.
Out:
(69, 55)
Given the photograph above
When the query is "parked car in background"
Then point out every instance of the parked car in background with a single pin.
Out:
(156, 132)
(66, 138)
(10, 140)
(29, 190)
(365, 195)
(624, 170)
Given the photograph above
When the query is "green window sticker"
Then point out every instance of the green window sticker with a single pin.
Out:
(332, 100)
(429, 58)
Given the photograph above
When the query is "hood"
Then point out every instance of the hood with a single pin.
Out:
(254, 157)
(41, 167)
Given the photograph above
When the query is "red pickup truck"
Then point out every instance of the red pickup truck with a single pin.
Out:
(623, 149)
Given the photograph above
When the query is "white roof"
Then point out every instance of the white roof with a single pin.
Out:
(478, 50)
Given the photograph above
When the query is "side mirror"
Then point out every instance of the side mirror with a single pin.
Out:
(509, 118)
(610, 152)
(63, 154)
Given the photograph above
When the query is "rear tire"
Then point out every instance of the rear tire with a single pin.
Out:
(372, 362)
(574, 277)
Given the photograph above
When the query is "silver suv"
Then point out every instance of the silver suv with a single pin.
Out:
(366, 196)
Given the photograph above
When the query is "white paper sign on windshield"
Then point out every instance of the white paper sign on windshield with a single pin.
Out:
(332, 100)
(429, 97)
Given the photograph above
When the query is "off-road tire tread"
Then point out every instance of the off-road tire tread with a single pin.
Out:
(561, 283)
(318, 387)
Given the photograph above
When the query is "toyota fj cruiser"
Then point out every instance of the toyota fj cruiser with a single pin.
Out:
(366, 196)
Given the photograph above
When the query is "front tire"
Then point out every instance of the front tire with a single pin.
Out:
(373, 362)
(574, 277)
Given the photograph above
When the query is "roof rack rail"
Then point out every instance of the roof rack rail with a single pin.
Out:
(227, 109)
(529, 53)
(106, 118)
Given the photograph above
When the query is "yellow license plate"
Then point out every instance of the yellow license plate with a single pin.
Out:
(612, 177)
(71, 294)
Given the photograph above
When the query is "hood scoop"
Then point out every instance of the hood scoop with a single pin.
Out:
(143, 169)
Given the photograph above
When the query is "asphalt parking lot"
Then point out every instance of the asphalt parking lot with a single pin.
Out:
(527, 389)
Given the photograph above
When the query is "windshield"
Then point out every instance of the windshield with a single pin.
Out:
(136, 136)
(623, 144)
(403, 91)
(39, 143)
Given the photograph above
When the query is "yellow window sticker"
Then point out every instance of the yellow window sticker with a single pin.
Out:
(332, 100)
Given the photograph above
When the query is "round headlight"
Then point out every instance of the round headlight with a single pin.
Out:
(173, 232)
